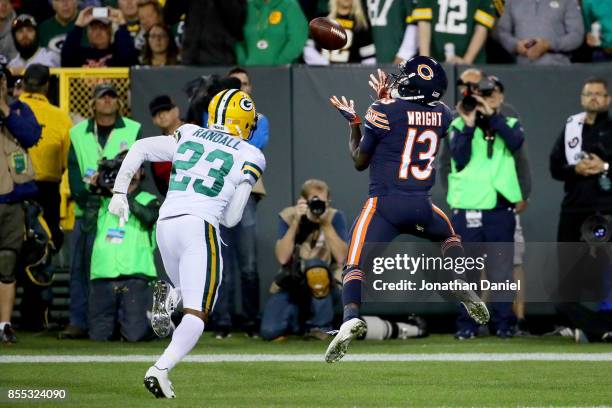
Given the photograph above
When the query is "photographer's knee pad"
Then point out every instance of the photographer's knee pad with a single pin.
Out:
(8, 261)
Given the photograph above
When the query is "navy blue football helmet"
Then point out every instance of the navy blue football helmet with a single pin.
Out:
(421, 80)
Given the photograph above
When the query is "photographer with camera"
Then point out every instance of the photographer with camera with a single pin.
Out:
(122, 264)
(580, 158)
(484, 188)
(19, 131)
(311, 249)
(105, 135)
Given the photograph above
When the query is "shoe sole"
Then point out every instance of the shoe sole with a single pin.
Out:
(160, 318)
(337, 348)
(153, 386)
(473, 305)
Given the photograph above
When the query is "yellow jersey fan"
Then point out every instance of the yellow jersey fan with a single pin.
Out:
(232, 111)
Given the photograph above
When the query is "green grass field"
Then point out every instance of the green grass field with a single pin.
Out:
(317, 384)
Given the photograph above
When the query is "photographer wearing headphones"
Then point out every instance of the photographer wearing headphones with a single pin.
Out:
(311, 248)
(580, 158)
(104, 135)
(483, 189)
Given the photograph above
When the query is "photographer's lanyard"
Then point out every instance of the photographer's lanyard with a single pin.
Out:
(97, 135)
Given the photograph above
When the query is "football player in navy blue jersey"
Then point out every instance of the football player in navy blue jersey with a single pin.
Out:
(403, 130)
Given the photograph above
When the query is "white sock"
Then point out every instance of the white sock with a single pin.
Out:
(184, 339)
(2, 324)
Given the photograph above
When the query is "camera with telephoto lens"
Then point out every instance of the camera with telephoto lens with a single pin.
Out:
(597, 228)
(316, 206)
(107, 173)
(484, 87)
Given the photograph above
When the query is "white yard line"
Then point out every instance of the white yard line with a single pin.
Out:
(255, 358)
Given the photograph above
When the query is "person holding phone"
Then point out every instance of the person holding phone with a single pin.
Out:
(102, 51)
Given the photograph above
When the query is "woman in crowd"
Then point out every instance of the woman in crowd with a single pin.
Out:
(160, 48)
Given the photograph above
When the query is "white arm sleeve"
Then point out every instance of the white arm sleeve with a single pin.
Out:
(155, 149)
(409, 46)
(233, 211)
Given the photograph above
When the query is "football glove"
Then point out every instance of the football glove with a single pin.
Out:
(119, 206)
(380, 84)
(346, 109)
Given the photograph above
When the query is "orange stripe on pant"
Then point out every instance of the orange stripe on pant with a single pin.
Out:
(444, 217)
(360, 231)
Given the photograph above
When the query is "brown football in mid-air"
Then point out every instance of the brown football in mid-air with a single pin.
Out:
(327, 33)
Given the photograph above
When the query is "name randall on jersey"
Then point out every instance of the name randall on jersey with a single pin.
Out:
(450, 286)
(226, 140)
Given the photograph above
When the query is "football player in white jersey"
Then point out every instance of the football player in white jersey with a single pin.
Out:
(213, 171)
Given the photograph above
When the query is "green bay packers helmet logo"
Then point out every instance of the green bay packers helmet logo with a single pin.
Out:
(246, 104)
(425, 72)
(232, 111)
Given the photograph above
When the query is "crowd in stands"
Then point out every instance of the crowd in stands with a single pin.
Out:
(100, 33)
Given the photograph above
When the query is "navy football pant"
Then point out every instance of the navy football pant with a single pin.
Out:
(381, 220)
(495, 226)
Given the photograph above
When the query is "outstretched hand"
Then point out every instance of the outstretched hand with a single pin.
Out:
(346, 109)
(379, 84)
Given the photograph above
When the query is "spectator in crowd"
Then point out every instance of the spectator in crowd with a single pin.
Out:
(240, 254)
(395, 35)
(167, 117)
(7, 43)
(311, 246)
(211, 29)
(359, 47)
(483, 190)
(129, 8)
(49, 157)
(581, 159)
(19, 131)
(52, 32)
(29, 51)
(150, 13)
(275, 33)
(598, 21)
(454, 34)
(160, 49)
(541, 33)
(90, 141)
(122, 266)
(102, 51)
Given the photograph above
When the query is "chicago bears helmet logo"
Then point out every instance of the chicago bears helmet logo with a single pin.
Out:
(425, 72)
(246, 104)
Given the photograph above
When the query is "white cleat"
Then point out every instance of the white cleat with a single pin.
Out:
(475, 307)
(348, 331)
(165, 301)
(158, 384)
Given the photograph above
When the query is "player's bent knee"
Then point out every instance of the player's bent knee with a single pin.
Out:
(203, 315)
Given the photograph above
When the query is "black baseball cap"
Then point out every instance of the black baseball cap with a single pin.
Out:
(161, 103)
(104, 89)
(23, 20)
(36, 75)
